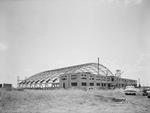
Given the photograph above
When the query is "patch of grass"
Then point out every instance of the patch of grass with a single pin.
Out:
(60, 100)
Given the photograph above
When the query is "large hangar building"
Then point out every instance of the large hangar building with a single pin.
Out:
(92, 75)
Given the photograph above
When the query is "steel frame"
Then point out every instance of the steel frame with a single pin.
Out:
(46, 79)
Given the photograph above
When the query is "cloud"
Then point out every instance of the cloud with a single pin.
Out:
(3, 47)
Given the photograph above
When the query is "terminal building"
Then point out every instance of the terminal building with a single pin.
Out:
(82, 76)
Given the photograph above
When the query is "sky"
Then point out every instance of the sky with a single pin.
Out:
(40, 35)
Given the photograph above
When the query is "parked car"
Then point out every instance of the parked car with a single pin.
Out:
(130, 90)
(145, 91)
(148, 94)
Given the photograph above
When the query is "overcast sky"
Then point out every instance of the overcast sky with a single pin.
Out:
(40, 35)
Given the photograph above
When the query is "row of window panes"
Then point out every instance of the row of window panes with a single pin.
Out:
(84, 84)
(84, 77)
(64, 77)
(74, 83)
(91, 77)
(104, 79)
(73, 76)
(124, 80)
(98, 78)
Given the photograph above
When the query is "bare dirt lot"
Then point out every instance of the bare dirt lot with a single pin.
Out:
(72, 101)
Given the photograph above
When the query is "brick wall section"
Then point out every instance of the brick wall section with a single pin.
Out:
(84, 80)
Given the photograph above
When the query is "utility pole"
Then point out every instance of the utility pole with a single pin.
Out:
(139, 83)
(17, 81)
(107, 79)
(99, 74)
(98, 65)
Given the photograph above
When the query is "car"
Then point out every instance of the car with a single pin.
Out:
(130, 90)
(148, 94)
(145, 91)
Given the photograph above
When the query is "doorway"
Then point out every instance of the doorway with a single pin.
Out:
(64, 85)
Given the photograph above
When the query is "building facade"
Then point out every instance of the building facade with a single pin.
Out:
(79, 76)
(87, 80)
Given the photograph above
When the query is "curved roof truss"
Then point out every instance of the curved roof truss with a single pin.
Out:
(53, 74)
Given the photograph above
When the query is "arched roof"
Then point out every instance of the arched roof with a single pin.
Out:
(51, 75)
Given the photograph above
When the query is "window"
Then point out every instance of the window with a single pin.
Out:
(91, 84)
(64, 78)
(104, 84)
(74, 83)
(98, 77)
(91, 77)
(42, 81)
(73, 77)
(98, 84)
(48, 80)
(54, 79)
(88, 72)
(108, 79)
(37, 81)
(83, 83)
(83, 76)
(104, 79)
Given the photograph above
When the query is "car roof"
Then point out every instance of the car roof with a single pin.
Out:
(130, 87)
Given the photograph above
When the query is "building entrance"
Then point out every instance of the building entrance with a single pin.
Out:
(64, 85)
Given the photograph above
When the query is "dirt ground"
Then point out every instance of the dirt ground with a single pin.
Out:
(72, 101)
